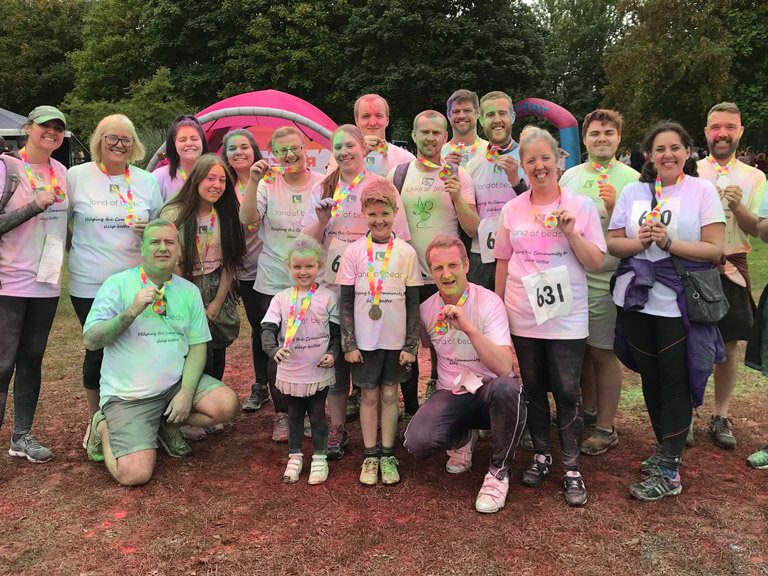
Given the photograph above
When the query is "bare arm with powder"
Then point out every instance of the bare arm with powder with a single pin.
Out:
(107, 331)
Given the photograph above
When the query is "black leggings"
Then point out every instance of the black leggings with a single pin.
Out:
(93, 358)
(23, 338)
(216, 362)
(659, 348)
(315, 407)
(554, 366)
(410, 388)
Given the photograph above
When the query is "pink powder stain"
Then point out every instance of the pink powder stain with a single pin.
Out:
(106, 524)
(90, 534)
(120, 514)
(126, 549)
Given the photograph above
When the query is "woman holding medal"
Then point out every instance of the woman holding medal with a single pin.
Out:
(335, 218)
(33, 231)
(111, 202)
(669, 213)
(546, 238)
(274, 202)
(185, 143)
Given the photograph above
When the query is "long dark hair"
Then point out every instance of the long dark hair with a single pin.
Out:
(170, 142)
(187, 201)
(649, 171)
(329, 184)
(251, 140)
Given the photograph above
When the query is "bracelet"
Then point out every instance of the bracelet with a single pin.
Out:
(668, 244)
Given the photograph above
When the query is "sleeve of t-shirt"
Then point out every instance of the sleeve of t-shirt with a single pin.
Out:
(346, 274)
(467, 187)
(593, 230)
(155, 197)
(763, 212)
(107, 305)
(273, 315)
(568, 177)
(495, 320)
(310, 216)
(711, 208)
(261, 200)
(400, 224)
(414, 271)
(619, 217)
(198, 324)
(502, 250)
(71, 188)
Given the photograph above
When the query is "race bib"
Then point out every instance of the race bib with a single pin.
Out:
(669, 216)
(486, 234)
(333, 260)
(49, 268)
(549, 293)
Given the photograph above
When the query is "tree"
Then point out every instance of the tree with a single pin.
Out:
(35, 36)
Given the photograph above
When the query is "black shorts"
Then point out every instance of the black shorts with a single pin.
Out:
(380, 367)
(737, 323)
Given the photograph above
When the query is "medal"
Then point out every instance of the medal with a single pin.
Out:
(654, 217)
(294, 321)
(383, 148)
(159, 306)
(127, 200)
(60, 196)
(602, 171)
(445, 171)
(493, 152)
(340, 195)
(550, 221)
(461, 148)
(441, 326)
(376, 287)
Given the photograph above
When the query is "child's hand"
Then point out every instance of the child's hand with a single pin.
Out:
(326, 361)
(354, 357)
(406, 358)
(282, 354)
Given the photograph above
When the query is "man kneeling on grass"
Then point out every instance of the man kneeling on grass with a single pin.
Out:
(153, 329)
(476, 387)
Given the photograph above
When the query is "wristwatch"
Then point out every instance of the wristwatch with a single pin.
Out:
(668, 244)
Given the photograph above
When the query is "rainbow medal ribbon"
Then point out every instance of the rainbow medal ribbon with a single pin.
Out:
(445, 169)
(208, 239)
(383, 148)
(273, 171)
(654, 216)
(493, 152)
(251, 227)
(550, 221)
(127, 200)
(602, 171)
(183, 174)
(722, 171)
(376, 286)
(295, 321)
(441, 326)
(60, 195)
(461, 148)
(340, 195)
(159, 306)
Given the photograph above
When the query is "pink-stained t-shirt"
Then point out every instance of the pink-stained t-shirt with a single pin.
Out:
(387, 333)
(455, 352)
(22, 248)
(168, 186)
(282, 208)
(429, 208)
(546, 288)
(311, 341)
(690, 204)
(351, 225)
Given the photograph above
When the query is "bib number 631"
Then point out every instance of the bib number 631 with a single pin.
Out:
(549, 293)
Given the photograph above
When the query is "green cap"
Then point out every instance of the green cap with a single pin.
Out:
(43, 114)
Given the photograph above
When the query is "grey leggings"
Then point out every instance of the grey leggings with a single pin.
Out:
(315, 406)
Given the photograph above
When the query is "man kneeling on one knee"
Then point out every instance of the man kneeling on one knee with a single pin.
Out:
(467, 326)
(153, 329)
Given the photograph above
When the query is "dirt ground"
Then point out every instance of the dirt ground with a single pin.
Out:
(225, 510)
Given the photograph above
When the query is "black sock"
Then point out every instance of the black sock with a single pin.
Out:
(387, 451)
(371, 452)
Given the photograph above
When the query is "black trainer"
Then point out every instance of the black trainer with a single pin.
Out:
(534, 474)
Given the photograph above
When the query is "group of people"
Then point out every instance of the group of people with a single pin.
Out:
(519, 279)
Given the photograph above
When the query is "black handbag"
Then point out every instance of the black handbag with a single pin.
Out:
(704, 293)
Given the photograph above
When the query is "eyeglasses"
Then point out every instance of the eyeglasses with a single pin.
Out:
(112, 140)
(282, 152)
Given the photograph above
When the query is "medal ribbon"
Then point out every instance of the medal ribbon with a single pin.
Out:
(719, 168)
(127, 200)
(550, 221)
(339, 196)
(273, 171)
(60, 196)
(460, 147)
(159, 305)
(374, 286)
(602, 171)
(183, 174)
(293, 321)
(493, 152)
(208, 238)
(251, 227)
(441, 326)
(656, 212)
(445, 171)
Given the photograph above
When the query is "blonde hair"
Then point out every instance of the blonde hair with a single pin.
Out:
(137, 151)
(533, 135)
(365, 97)
(379, 190)
(431, 115)
(286, 131)
(307, 246)
(446, 241)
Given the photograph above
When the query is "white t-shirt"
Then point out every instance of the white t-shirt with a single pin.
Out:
(379, 164)
(455, 352)
(253, 247)
(282, 208)
(148, 358)
(351, 225)
(691, 204)
(311, 341)
(543, 274)
(22, 249)
(492, 191)
(468, 153)
(429, 208)
(387, 333)
(168, 186)
(102, 243)
(752, 184)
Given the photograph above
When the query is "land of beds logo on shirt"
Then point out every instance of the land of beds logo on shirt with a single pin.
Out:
(114, 189)
(497, 169)
(423, 212)
(297, 198)
(428, 182)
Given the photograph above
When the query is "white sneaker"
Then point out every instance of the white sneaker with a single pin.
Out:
(87, 434)
(318, 471)
(460, 460)
(293, 470)
(493, 494)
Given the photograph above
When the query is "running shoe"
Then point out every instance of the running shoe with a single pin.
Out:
(29, 448)
(492, 495)
(389, 474)
(460, 459)
(337, 441)
(93, 446)
(280, 428)
(599, 442)
(369, 475)
(318, 471)
(656, 487)
(651, 465)
(721, 433)
(256, 400)
(172, 440)
(534, 474)
(293, 469)
(759, 459)
(575, 491)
